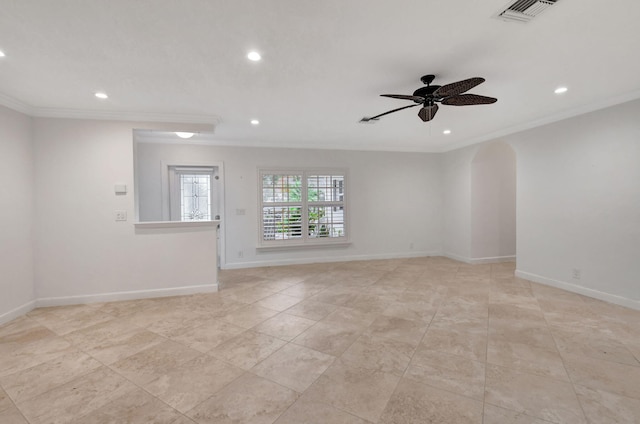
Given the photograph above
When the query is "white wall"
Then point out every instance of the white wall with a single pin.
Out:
(493, 202)
(82, 253)
(16, 214)
(579, 203)
(456, 171)
(394, 199)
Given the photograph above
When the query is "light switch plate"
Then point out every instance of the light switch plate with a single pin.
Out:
(121, 188)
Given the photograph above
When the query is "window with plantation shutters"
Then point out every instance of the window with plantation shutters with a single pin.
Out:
(302, 206)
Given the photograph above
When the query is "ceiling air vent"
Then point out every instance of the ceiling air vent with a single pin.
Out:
(525, 10)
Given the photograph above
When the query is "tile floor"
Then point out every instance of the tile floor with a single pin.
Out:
(424, 340)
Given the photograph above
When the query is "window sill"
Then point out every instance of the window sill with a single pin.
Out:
(175, 224)
(290, 246)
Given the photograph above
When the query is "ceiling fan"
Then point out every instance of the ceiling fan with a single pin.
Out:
(429, 95)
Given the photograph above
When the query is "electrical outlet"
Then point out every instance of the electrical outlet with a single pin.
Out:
(240, 254)
(575, 274)
(121, 215)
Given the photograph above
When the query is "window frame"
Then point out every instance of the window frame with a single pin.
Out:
(304, 204)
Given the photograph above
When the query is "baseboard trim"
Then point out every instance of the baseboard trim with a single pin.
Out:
(302, 261)
(17, 312)
(607, 297)
(126, 295)
(480, 261)
(493, 260)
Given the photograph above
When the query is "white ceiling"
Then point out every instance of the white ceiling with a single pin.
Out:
(325, 62)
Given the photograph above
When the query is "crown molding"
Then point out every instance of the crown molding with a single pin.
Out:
(566, 114)
(125, 116)
(15, 104)
(42, 112)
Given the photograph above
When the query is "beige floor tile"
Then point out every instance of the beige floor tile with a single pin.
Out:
(415, 403)
(249, 316)
(604, 375)
(329, 337)
(151, 363)
(278, 302)
(125, 307)
(359, 391)
(344, 315)
(247, 349)
(16, 356)
(379, 354)
(66, 323)
(5, 400)
(496, 415)
(306, 411)
(412, 310)
(337, 295)
(304, 289)
(375, 303)
(249, 295)
(208, 335)
(184, 420)
(469, 342)
(136, 407)
(113, 340)
(594, 345)
(76, 398)
(248, 400)
(535, 335)
(602, 407)
(448, 372)
(15, 330)
(179, 322)
(12, 415)
(189, 384)
(399, 329)
(31, 382)
(541, 397)
(531, 338)
(293, 366)
(526, 358)
(284, 326)
(311, 310)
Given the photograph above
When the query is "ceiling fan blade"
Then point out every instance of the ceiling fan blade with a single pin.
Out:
(416, 99)
(468, 100)
(459, 87)
(428, 112)
(366, 119)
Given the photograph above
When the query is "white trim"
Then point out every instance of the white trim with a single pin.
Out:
(456, 257)
(15, 104)
(125, 116)
(560, 116)
(492, 260)
(324, 259)
(310, 245)
(17, 312)
(607, 297)
(175, 224)
(127, 295)
(480, 261)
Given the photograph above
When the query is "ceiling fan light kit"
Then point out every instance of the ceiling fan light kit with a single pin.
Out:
(429, 95)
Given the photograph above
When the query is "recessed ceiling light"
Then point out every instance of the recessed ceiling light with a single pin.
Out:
(446, 132)
(561, 90)
(184, 134)
(101, 95)
(255, 122)
(254, 56)
(2, 54)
